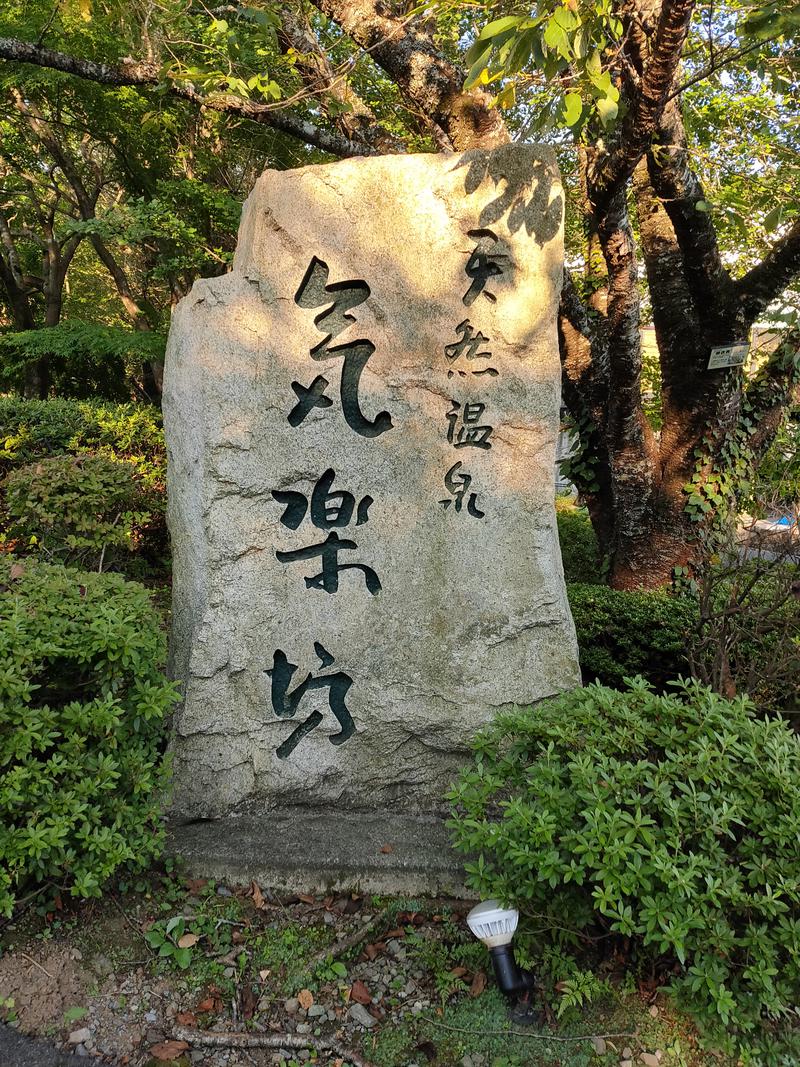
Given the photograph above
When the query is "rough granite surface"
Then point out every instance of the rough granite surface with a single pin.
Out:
(342, 356)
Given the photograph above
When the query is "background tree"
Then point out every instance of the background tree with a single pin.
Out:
(664, 189)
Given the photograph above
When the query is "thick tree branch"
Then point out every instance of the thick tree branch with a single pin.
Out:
(413, 62)
(584, 385)
(675, 315)
(613, 169)
(631, 448)
(766, 281)
(584, 359)
(358, 122)
(680, 192)
(11, 256)
(149, 74)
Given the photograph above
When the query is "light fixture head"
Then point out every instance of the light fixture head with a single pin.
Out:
(493, 924)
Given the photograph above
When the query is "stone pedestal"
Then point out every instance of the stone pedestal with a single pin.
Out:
(361, 422)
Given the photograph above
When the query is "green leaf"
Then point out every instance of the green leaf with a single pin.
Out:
(520, 52)
(508, 22)
(565, 18)
(773, 218)
(607, 109)
(556, 39)
(480, 51)
(477, 68)
(573, 109)
(507, 97)
(183, 957)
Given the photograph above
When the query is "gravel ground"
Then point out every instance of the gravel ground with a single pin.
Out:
(129, 1013)
(361, 981)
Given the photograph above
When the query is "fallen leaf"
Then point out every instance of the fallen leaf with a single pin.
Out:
(186, 1018)
(206, 1005)
(258, 896)
(249, 1001)
(194, 885)
(359, 993)
(264, 975)
(458, 972)
(478, 984)
(372, 952)
(188, 940)
(413, 918)
(654, 1010)
(306, 998)
(306, 898)
(387, 849)
(168, 1050)
(397, 932)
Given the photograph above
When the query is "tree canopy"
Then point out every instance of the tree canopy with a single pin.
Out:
(137, 129)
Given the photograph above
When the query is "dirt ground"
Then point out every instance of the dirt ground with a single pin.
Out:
(186, 972)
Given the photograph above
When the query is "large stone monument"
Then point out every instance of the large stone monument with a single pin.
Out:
(361, 422)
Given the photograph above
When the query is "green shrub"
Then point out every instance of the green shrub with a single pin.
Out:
(74, 509)
(661, 828)
(33, 430)
(82, 704)
(580, 552)
(623, 633)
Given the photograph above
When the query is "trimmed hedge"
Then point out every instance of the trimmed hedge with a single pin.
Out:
(580, 552)
(78, 510)
(82, 707)
(35, 431)
(625, 633)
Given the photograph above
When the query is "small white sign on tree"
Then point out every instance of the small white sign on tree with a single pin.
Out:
(728, 356)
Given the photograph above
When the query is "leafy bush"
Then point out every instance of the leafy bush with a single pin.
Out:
(580, 552)
(77, 509)
(622, 633)
(33, 430)
(672, 821)
(85, 359)
(82, 704)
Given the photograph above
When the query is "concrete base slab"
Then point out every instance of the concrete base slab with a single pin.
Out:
(307, 850)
